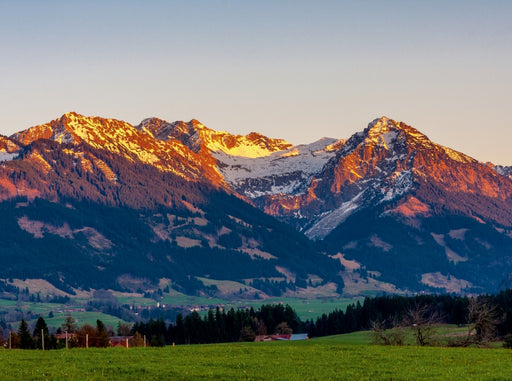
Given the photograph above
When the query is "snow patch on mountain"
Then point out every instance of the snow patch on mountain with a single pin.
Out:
(250, 146)
(102, 134)
(282, 172)
(61, 134)
(197, 136)
(388, 139)
(330, 220)
(402, 182)
(291, 187)
(502, 170)
(382, 132)
(118, 137)
(6, 156)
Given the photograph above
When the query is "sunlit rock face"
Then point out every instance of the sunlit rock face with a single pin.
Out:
(390, 163)
(411, 210)
(387, 197)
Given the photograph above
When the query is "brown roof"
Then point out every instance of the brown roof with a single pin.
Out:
(272, 337)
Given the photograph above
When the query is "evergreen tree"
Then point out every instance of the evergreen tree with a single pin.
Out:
(40, 326)
(26, 341)
(179, 331)
(103, 339)
(40, 332)
(211, 328)
(220, 319)
(157, 341)
(69, 325)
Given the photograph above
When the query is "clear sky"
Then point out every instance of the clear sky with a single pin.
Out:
(298, 70)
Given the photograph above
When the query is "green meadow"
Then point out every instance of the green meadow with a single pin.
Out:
(306, 309)
(332, 358)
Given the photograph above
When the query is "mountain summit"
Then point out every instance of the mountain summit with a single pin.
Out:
(391, 162)
(196, 137)
(387, 202)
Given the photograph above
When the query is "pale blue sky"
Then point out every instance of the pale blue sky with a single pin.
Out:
(298, 70)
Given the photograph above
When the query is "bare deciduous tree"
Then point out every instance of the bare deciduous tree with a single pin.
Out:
(124, 329)
(424, 323)
(482, 321)
(392, 336)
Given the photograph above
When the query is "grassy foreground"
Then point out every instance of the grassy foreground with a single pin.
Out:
(312, 360)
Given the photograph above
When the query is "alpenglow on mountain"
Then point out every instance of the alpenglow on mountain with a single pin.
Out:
(89, 202)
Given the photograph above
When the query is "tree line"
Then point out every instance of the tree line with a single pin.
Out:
(68, 335)
(220, 326)
(216, 326)
(486, 316)
(390, 311)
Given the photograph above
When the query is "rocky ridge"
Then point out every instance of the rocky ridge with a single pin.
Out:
(356, 196)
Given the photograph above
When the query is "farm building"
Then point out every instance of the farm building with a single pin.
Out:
(121, 341)
(294, 337)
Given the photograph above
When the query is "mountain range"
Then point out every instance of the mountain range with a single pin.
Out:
(89, 202)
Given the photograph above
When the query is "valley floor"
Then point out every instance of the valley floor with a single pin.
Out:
(316, 359)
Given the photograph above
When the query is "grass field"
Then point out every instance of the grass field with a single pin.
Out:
(305, 308)
(13, 310)
(81, 318)
(310, 308)
(316, 359)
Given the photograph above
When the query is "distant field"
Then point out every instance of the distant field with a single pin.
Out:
(82, 317)
(322, 359)
(11, 311)
(60, 311)
(312, 308)
(307, 309)
(360, 337)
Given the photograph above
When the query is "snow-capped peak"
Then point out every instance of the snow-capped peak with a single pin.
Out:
(288, 171)
(186, 133)
(388, 134)
(383, 125)
(502, 170)
(383, 132)
(118, 137)
(253, 145)
(197, 136)
(8, 149)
